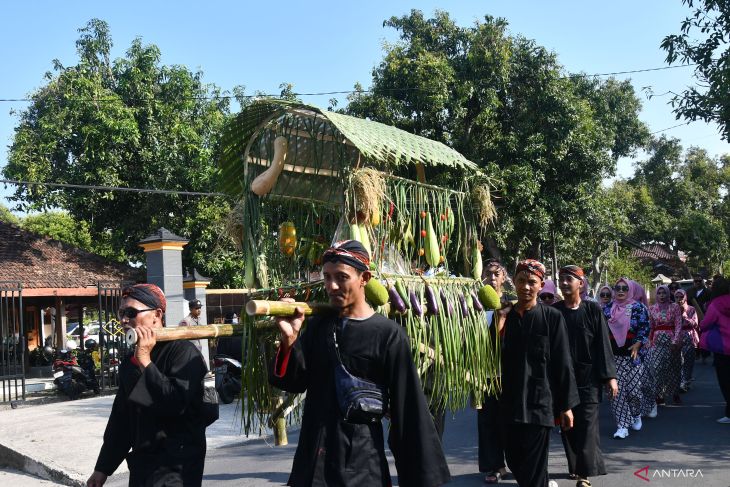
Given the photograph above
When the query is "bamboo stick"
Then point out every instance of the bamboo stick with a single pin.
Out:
(188, 333)
(257, 307)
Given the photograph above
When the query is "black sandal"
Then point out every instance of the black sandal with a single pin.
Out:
(493, 477)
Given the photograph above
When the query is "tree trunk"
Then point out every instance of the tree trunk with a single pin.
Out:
(555, 257)
(493, 249)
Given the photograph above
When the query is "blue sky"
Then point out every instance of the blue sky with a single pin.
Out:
(328, 46)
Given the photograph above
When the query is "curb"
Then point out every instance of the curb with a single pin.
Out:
(17, 461)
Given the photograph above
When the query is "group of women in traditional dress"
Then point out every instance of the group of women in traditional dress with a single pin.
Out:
(654, 347)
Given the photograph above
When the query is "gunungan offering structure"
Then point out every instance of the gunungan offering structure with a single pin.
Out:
(305, 178)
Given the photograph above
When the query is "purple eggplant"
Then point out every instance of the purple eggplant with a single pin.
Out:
(475, 302)
(415, 304)
(432, 304)
(396, 301)
(448, 309)
(464, 307)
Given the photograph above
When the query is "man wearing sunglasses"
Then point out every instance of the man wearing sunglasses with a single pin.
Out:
(594, 365)
(157, 409)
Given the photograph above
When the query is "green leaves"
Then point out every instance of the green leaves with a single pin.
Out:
(506, 103)
(129, 122)
(703, 41)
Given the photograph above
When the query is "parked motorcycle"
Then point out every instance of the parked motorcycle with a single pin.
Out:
(73, 375)
(227, 377)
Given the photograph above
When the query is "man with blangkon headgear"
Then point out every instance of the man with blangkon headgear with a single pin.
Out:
(335, 448)
(156, 422)
(538, 383)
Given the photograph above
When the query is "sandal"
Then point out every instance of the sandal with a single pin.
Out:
(493, 477)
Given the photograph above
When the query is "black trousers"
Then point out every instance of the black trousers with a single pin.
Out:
(722, 369)
(491, 451)
(526, 448)
(150, 472)
(582, 443)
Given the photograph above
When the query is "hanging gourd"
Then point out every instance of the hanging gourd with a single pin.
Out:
(287, 238)
(265, 181)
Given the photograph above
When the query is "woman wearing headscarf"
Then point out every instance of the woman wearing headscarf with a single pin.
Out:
(715, 338)
(664, 357)
(628, 326)
(549, 293)
(605, 298)
(585, 288)
(689, 339)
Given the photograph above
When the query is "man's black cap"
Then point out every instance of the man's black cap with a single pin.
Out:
(195, 303)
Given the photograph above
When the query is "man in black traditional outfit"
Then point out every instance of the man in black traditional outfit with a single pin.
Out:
(538, 384)
(491, 452)
(332, 451)
(594, 366)
(157, 409)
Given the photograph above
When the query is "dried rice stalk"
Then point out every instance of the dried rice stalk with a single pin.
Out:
(484, 208)
(368, 186)
(234, 227)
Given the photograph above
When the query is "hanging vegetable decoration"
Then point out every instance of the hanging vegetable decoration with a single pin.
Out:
(265, 181)
(375, 292)
(431, 244)
(476, 262)
(287, 238)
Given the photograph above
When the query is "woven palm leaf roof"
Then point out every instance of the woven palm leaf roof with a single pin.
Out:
(380, 145)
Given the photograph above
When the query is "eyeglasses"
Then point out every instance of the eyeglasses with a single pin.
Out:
(620, 288)
(547, 296)
(605, 295)
(131, 313)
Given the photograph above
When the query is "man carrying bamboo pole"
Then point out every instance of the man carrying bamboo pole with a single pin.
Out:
(157, 409)
(538, 383)
(594, 366)
(355, 341)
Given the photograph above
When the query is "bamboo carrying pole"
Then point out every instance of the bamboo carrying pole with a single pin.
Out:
(188, 333)
(284, 308)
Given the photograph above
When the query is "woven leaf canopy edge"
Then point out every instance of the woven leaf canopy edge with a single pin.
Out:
(380, 144)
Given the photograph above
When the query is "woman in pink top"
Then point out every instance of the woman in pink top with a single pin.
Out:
(665, 319)
(715, 338)
(689, 339)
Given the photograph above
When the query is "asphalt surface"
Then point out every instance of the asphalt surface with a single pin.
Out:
(683, 446)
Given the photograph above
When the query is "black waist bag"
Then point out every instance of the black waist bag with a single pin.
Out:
(361, 401)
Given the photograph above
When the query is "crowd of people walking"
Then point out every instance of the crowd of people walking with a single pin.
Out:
(642, 353)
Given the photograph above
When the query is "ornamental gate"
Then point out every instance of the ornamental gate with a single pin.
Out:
(112, 345)
(12, 333)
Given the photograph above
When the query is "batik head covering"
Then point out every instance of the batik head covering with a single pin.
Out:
(573, 270)
(148, 294)
(620, 319)
(533, 267)
(348, 252)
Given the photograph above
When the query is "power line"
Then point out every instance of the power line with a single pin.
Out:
(109, 188)
(670, 128)
(324, 93)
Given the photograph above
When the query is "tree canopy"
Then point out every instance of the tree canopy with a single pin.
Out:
(130, 122)
(702, 41)
(506, 103)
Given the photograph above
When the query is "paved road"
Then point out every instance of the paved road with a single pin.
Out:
(681, 438)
